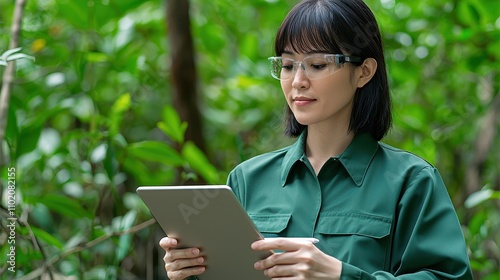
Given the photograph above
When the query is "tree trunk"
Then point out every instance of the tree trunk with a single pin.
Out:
(183, 70)
(483, 142)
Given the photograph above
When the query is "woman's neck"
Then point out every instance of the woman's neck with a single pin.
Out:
(323, 144)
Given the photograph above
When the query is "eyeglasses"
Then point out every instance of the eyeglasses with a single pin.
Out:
(315, 66)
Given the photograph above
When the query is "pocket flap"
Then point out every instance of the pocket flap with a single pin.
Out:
(355, 224)
(273, 223)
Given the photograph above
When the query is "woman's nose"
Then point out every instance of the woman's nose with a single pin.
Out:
(300, 79)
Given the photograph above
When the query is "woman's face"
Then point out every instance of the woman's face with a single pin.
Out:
(323, 103)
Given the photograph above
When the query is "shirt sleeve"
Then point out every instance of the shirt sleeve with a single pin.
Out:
(428, 242)
(233, 181)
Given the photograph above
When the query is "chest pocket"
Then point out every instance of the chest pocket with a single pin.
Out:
(362, 240)
(271, 225)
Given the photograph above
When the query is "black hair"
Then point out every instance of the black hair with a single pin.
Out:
(348, 27)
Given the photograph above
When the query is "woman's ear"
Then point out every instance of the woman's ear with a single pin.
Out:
(366, 71)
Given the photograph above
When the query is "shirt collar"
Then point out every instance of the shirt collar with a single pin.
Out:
(355, 159)
(293, 155)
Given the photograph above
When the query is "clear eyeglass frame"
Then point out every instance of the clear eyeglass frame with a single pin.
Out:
(315, 66)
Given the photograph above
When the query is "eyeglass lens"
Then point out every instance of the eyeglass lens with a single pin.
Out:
(314, 67)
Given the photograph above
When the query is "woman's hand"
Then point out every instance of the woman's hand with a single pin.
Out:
(181, 263)
(300, 260)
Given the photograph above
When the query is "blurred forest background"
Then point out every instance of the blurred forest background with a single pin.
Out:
(124, 93)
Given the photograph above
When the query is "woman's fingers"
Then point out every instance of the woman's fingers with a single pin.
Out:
(175, 254)
(167, 242)
(284, 244)
(181, 263)
(185, 273)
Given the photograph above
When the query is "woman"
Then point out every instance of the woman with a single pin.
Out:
(379, 212)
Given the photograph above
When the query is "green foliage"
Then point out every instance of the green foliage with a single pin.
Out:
(11, 55)
(483, 233)
(91, 119)
(172, 125)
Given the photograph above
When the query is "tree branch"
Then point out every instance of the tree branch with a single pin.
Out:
(39, 272)
(8, 75)
(23, 220)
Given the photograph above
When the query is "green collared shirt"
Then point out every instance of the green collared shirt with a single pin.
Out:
(383, 212)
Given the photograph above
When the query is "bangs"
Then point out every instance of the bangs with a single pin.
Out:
(308, 30)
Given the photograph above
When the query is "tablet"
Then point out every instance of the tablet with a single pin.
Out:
(212, 219)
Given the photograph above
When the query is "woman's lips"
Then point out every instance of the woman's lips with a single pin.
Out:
(302, 101)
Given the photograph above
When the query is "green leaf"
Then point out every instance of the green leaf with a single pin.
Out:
(11, 55)
(124, 245)
(468, 13)
(128, 220)
(479, 197)
(12, 129)
(43, 217)
(144, 175)
(78, 238)
(121, 105)
(64, 205)
(27, 139)
(156, 152)
(19, 56)
(172, 125)
(46, 237)
(8, 53)
(124, 242)
(199, 162)
(97, 57)
(110, 164)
